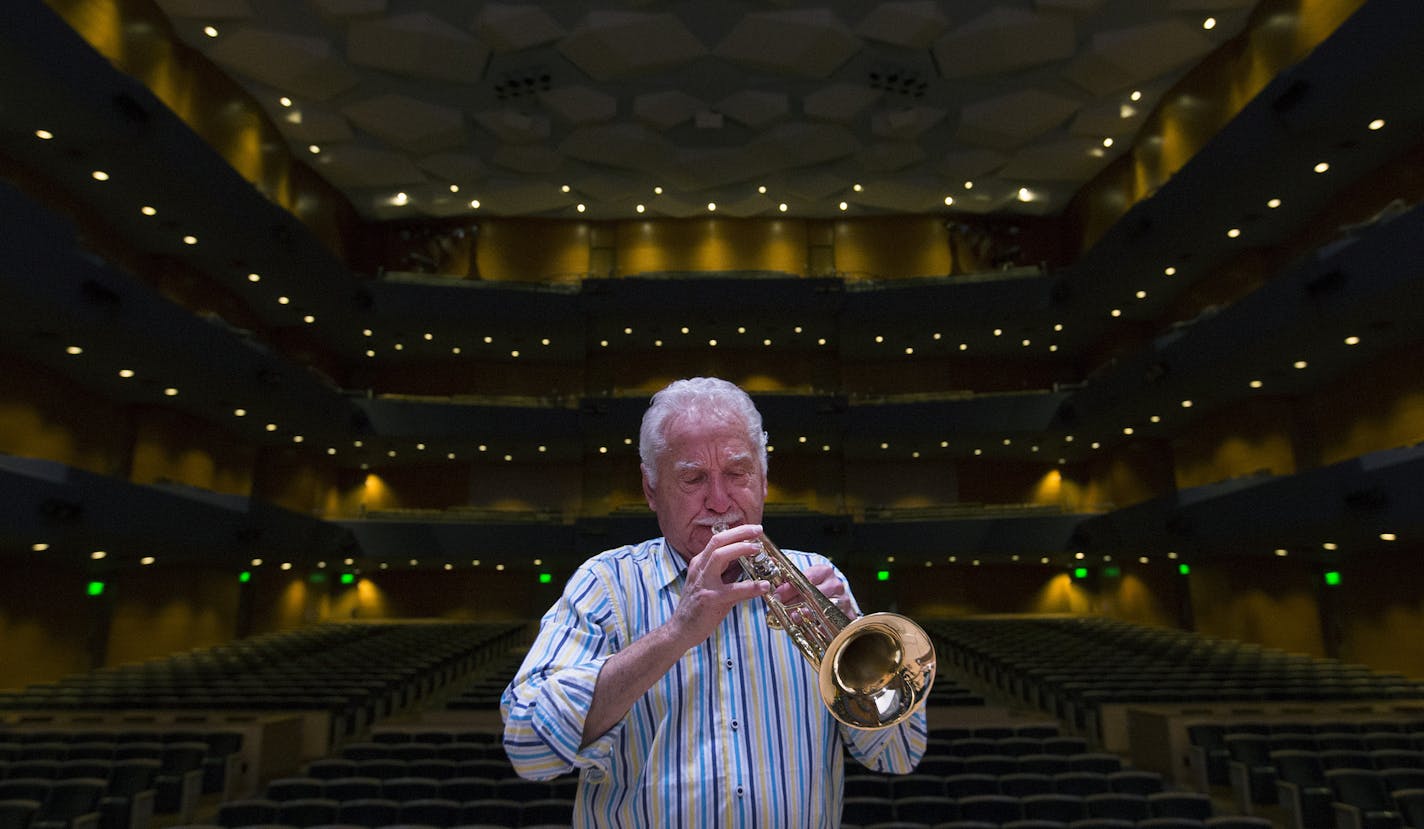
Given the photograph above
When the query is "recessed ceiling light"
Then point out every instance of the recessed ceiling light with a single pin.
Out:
(44, 135)
(1170, 270)
(856, 187)
(475, 203)
(1352, 340)
(1233, 233)
(1273, 203)
(1300, 364)
(74, 351)
(1377, 124)
(1187, 404)
(170, 392)
(949, 201)
(254, 277)
(968, 185)
(281, 300)
(98, 554)
(1322, 166)
(314, 149)
(210, 31)
(1209, 23)
(190, 240)
(844, 206)
(284, 101)
(148, 210)
(126, 373)
(657, 191)
(580, 207)
(1255, 384)
(99, 175)
(640, 208)
(782, 207)
(1107, 142)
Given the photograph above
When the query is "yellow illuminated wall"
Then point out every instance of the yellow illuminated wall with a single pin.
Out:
(892, 248)
(533, 251)
(47, 623)
(1249, 438)
(714, 244)
(43, 415)
(171, 446)
(159, 610)
(1379, 407)
(1272, 602)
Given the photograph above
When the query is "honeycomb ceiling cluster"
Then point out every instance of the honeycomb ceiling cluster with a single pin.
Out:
(435, 108)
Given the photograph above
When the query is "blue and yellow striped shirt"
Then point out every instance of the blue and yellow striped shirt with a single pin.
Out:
(734, 735)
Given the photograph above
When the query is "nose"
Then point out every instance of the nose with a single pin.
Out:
(717, 499)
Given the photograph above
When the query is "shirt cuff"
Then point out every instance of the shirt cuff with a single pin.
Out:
(561, 711)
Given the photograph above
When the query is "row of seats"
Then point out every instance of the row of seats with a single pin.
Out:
(126, 800)
(1075, 783)
(331, 768)
(212, 759)
(1218, 822)
(1070, 667)
(1000, 809)
(357, 672)
(1314, 795)
(402, 789)
(1214, 745)
(374, 812)
(416, 752)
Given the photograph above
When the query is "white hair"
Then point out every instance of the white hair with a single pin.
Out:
(706, 396)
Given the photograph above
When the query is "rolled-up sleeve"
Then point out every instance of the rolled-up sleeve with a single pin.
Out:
(895, 750)
(545, 705)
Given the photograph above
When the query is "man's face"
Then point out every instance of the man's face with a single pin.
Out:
(709, 473)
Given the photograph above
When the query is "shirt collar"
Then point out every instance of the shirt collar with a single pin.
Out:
(668, 566)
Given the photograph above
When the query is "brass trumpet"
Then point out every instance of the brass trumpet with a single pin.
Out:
(874, 671)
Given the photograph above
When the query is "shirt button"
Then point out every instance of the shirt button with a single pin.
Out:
(740, 791)
(734, 725)
(729, 664)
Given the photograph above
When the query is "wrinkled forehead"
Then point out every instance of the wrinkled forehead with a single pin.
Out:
(698, 439)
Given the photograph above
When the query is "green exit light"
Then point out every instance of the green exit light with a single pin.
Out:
(244, 577)
(1332, 578)
(348, 578)
(1184, 569)
(96, 588)
(1080, 572)
(882, 575)
(545, 578)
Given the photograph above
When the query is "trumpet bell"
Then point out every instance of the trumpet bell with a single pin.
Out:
(877, 671)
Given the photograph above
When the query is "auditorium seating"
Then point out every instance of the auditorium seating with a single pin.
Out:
(355, 672)
(1070, 667)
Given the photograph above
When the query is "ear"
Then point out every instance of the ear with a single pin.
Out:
(648, 491)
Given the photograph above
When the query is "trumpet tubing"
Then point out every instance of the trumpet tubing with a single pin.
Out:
(874, 671)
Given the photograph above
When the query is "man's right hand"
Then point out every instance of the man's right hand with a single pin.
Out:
(712, 587)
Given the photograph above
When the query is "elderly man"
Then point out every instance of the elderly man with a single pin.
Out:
(656, 675)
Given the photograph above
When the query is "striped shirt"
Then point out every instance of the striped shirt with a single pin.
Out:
(734, 735)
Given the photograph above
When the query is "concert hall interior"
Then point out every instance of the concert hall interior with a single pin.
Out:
(1075, 325)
